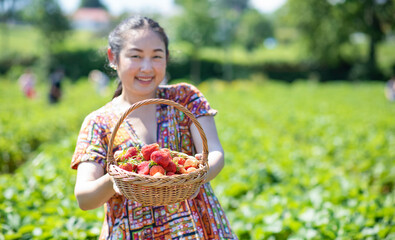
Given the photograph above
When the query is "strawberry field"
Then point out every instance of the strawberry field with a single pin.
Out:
(303, 160)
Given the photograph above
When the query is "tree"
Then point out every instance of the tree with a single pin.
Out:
(376, 19)
(7, 10)
(47, 16)
(208, 23)
(92, 4)
(253, 29)
(326, 25)
(320, 28)
(195, 26)
(237, 5)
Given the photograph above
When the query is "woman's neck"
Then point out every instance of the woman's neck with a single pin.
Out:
(124, 101)
(127, 99)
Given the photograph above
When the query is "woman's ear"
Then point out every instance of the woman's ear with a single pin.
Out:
(111, 58)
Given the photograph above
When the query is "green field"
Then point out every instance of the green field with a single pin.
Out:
(303, 160)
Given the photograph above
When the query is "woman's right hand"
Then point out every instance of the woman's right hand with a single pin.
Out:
(93, 187)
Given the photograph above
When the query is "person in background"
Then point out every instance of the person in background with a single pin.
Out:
(138, 51)
(27, 83)
(389, 90)
(100, 80)
(55, 91)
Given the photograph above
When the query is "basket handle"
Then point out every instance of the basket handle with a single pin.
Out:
(110, 155)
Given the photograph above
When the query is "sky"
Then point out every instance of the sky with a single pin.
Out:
(161, 6)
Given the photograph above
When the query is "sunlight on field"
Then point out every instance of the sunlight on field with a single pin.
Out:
(20, 39)
(303, 160)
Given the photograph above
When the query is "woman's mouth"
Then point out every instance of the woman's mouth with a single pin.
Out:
(144, 79)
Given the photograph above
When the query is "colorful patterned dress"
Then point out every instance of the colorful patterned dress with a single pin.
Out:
(199, 218)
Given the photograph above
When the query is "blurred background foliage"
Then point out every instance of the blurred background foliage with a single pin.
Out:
(308, 135)
(324, 40)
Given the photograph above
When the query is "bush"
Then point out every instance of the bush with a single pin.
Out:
(10, 60)
(78, 63)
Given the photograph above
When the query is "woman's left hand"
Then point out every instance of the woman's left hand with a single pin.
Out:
(115, 187)
(195, 194)
(198, 157)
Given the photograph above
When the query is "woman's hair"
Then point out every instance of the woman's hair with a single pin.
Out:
(117, 37)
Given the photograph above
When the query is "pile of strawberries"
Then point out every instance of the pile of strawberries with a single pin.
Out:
(155, 161)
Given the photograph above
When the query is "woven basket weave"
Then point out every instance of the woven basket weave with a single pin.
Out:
(157, 191)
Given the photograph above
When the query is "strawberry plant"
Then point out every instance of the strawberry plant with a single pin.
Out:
(302, 161)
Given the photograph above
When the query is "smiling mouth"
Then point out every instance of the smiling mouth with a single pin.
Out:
(144, 79)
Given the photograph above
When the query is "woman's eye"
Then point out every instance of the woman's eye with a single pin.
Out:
(158, 57)
(135, 56)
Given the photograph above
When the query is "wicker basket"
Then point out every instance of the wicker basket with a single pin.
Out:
(157, 191)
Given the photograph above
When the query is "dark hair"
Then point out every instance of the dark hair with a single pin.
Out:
(117, 37)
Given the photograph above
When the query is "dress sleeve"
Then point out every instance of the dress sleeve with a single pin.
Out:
(193, 99)
(91, 143)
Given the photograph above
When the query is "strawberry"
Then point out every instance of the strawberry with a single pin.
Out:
(155, 169)
(128, 166)
(191, 162)
(161, 157)
(179, 160)
(139, 157)
(181, 170)
(167, 150)
(170, 173)
(147, 150)
(172, 167)
(131, 152)
(178, 154)
(143, 168)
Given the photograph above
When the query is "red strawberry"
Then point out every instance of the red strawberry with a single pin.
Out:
(182, 170)
(128, 166)
(167, 150)
(155, 169)
(172, 167)
(191, 162)
(179, 160)
(143, 168)
(179, 154)
(131, 152)
(147, 150)
(170, 173)
(161, 157)
(139, 158)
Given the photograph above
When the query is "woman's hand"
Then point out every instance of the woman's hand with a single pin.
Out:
(115, 187)
(199, 156)
(93, 187)
(216, 153)
(195, 194)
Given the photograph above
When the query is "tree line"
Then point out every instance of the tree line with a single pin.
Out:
(322, 28)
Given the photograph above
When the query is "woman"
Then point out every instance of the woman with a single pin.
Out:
(138, 51)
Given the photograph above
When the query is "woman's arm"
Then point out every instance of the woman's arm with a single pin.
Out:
(92, 188)
(216, 152)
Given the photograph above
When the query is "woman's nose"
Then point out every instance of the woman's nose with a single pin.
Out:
(146, 65)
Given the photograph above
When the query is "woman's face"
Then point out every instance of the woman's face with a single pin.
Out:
(142, 64)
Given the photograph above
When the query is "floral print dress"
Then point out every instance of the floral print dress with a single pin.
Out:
(198, 218)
